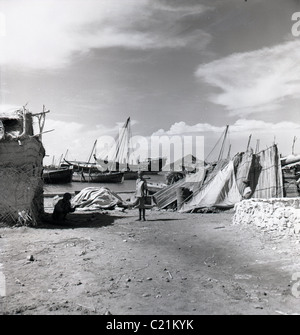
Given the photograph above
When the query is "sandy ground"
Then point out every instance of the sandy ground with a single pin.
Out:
(184, 264)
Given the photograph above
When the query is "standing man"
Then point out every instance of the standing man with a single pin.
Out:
(140, 194)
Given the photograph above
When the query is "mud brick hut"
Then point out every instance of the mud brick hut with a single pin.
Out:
(21, 166)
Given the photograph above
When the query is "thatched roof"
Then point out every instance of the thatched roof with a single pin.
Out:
(9, 115)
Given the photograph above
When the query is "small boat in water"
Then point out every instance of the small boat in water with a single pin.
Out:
(119, 157)
(117, 168)
(87, 172)
(57, 175)
(98, 177)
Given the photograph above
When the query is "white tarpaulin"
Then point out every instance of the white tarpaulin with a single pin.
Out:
(221, 191)
(93, 198)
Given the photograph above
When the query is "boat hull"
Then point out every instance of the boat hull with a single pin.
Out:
(101, 177)
(130, 175)
(59, 176)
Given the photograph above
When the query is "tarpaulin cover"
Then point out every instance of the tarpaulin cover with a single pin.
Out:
(221, 191)
(168, 195)
(224, 189)
(93, 198)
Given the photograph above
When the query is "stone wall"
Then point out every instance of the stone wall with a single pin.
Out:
(277, 214)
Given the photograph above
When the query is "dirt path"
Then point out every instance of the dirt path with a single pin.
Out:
(187, 264)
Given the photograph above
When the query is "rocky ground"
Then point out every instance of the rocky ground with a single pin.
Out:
(184, 264)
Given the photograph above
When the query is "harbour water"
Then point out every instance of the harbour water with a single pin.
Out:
(126, 186)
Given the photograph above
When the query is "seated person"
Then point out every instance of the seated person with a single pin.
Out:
(62, 208)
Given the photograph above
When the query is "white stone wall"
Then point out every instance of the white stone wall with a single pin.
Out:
(277, 214)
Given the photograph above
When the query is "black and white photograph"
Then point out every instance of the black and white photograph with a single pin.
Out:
(150, 160)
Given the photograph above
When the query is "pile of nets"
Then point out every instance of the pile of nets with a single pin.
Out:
(95, 198)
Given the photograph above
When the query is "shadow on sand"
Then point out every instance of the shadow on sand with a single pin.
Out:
(78, 220)
(159, 219)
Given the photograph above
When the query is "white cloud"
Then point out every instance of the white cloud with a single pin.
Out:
(9, 108)
(255, 81)
(46, 34)
(74, 138)
(241, 126)
(266, 132)
(259, 126)
(181, 128)
(79, 141)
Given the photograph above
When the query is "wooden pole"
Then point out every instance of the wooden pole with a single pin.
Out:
(222, 148)
(66, 154)
(293, 147)
(60, 160)
(228, 155)
(92, 151)
(249, 140)
(257, 146)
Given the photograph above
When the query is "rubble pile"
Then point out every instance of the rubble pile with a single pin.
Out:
(277, 214)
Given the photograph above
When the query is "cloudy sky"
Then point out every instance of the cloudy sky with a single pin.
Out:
(176, 67)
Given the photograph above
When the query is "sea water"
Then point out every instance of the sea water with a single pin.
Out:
(126, 186)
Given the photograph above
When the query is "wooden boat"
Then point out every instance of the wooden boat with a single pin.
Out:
(86, 167)
(120, 158)
(119, 161)
(57, 175)
(130, 175)
(82, 166)
(102, 171)
(98, 177)
(91, 172)
(118, 168)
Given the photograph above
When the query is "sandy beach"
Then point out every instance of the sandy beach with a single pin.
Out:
(172, 264)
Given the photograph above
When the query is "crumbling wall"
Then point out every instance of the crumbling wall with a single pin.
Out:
(281, 215)
(21, 185)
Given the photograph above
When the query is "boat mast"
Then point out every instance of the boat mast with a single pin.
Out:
(257, 146)
(119, 142)
(249, 140)
(128, 142)
(222, 148)
(60, 159)
(66, 154)
(94, 146)
(293, 146)
(229, 150)
(217, 143)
